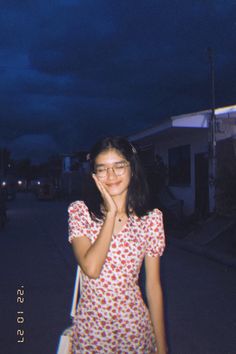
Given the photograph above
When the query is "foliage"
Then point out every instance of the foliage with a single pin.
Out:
(5, 160)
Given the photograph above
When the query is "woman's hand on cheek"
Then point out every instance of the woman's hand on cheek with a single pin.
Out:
(109, 203)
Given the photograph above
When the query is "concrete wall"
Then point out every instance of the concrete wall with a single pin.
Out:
(198, 141)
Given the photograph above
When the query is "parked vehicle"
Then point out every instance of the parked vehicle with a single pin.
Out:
(22, 185)
(46, 191)
(8, 186)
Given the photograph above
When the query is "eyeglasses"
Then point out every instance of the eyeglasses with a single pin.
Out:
(118, 168)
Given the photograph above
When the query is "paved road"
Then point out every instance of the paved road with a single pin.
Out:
(200, 294)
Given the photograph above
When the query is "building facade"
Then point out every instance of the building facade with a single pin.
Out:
(184, 143)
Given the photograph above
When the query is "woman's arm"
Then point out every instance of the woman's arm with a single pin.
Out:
(155, 301)
(91, 257)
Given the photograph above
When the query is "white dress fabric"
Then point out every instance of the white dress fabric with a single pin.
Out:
(112, 317)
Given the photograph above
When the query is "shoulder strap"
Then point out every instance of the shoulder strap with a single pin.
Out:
(78, 281)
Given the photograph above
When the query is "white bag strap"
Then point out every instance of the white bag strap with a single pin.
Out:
(78, 281)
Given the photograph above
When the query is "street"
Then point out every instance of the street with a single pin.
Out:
(37, 278)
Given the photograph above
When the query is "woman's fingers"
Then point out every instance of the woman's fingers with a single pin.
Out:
(101, 188)
(98, 184)
(108, 201)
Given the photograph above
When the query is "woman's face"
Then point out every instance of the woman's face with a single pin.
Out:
(114, 171)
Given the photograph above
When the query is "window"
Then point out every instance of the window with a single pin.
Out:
(179, 165)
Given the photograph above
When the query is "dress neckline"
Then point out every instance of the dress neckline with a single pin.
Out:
(123, 227)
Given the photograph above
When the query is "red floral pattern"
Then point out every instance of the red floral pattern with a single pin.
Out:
(112, 316)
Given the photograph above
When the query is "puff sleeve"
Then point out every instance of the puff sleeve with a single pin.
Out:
(155, 234)
(79, 220)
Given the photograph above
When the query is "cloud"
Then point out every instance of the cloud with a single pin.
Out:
(76, 70)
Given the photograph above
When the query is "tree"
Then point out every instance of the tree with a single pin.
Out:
(5, 160)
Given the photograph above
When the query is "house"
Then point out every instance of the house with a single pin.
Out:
(185, 145)
(74, 168)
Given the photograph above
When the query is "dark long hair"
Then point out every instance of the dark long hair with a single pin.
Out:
(137, 200)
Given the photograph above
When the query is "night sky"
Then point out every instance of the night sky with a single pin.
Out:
(73, 71)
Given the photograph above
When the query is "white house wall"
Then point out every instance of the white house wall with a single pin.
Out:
(198, 141)
(225, 128)
(199, 120)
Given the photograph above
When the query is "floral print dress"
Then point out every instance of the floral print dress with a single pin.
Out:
(112, 317)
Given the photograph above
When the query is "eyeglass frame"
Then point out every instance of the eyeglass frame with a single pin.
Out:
(126, 164)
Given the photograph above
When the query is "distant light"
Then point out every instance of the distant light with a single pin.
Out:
(38, 182)
(4, 183)
(20, 183)
(9, 165)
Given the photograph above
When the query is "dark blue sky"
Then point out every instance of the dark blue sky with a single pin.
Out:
(75, 70)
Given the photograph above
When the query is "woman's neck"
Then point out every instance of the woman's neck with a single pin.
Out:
(120, 201)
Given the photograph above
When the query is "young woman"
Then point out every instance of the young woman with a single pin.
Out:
(111, 233)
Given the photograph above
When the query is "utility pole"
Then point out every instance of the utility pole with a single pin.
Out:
(212, 128)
